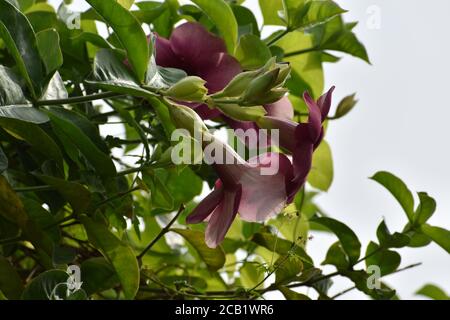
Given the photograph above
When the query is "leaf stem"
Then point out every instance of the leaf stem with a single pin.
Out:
(165, 230)
(278, 37)
(300, 52)
(34, 189)
(81, 99)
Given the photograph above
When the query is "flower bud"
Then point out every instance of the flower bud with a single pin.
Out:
(189, 89)
(186, 118)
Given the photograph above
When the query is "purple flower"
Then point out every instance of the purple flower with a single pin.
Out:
(199, 53)
(257, 190)
(301, 139)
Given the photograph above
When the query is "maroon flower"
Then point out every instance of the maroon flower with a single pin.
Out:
(257, 190)
(301, 139)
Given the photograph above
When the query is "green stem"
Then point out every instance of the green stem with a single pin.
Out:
(278, 37)
(75, 100)
(10, 240)
(165, 230)
(34, 189)
(299, 52)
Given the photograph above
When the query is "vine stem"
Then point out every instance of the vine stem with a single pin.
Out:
(278, 37)
(165, 230)
(75, 100)
(299, 52)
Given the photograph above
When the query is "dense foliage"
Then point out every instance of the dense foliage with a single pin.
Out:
(73, 194)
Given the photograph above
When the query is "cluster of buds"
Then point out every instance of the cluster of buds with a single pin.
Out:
(254, 88)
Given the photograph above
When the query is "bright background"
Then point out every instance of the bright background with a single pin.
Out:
(401, 125)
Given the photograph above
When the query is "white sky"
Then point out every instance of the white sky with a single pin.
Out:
(400, 125)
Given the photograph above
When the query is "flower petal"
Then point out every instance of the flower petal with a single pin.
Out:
(192, 43)
(315, 118)
(325, 103)
(264, 191)
(218, 71)
(222, 217)
(206, 207)
(281, 109)
(165, 57)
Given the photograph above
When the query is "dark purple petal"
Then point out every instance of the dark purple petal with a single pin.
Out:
(221, 219)
(315, 118)
(194, 45)
(165, 57)
(286, 131)
(206, 207)
(325, 103)
(218, 71)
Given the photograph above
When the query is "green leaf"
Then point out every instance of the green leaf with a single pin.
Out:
(239, 113)
(111, 74)
(214, 258)
(270, 10)
(433, 292)
(10, 282)
(346, 236)
(99, 160)
(49, 50)
(426, 208)
(222, 16)
(246, 20)
(439, 235)
(46, 285)
(338, 36)
(160, 78)
(345, 106)
(20, 40)
(388, 261)
(322, 172)
(63, 255)
(362, 278)
(287, 268)
(160, 196)
(388, 240)
(76, 194)
(129, 32)
(307, 14)
(3, 161)
(398, 189)
(126, 3)
(23, 113)
(282, 247)
(336, 256)
(11, 92)
(251, 274)
(120, 255)
(291, 294)
(98, 275)
(29, 131)
(252, 53)
(55, 89)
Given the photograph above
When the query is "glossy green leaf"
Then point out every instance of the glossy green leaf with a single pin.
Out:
(3, 161)
(222, 16)
(360, 278)
(23, 113)
(111, 74)
(46, 286)
(322, 172)
(398, 189)
(388, 261)
(287, 269)
(251, 52)
(345, 106)
(306, 14)
(55, 89)
(388, 240)
(120, 255)
(252, 273)
(433, 292)
(214, 258)
(271, 10)
(20, 40)
(99, 160)
(11, 92)
(129, 32)
(246, 20)
(49, 50)
(30, 132)
(337, 257)
(98, 275)
(291, 294)
(426, 208)
(346, 236)
(76, 194)
(439, 235)
(126, 3)
(10, 282)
